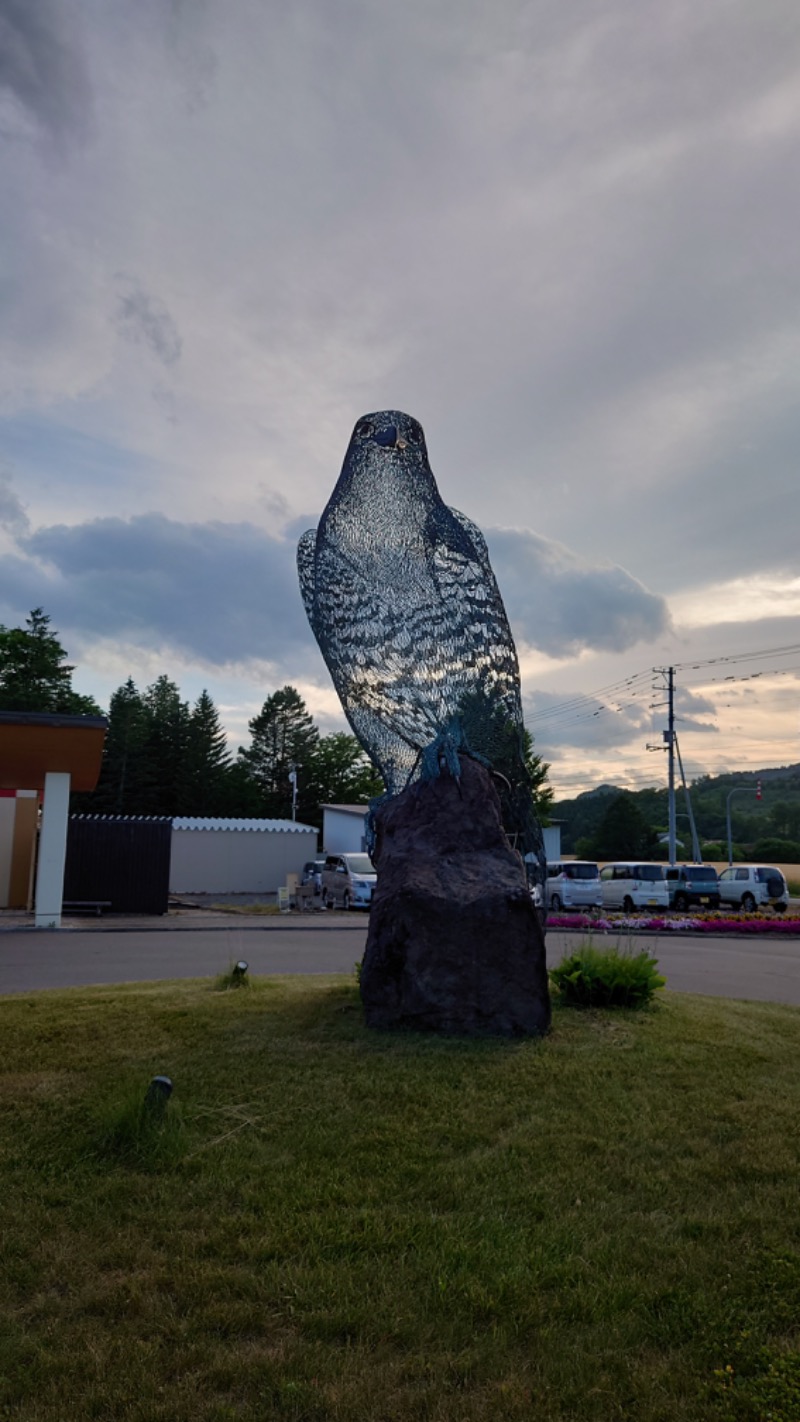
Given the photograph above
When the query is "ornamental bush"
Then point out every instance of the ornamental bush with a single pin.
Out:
(594, 977)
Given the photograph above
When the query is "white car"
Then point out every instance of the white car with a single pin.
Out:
(573, 884)
(750, 886)
(632, 885)
(348, 879)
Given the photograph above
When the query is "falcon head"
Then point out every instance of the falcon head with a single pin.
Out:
(386, 479)
(389, 431)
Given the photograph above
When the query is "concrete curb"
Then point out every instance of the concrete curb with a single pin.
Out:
(191, 922)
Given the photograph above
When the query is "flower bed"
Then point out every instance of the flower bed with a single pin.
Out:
(756, 924)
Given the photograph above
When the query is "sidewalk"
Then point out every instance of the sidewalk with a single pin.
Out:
(188, 920)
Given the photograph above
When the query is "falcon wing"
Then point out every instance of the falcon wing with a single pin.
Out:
(306, 557)
(474, 619)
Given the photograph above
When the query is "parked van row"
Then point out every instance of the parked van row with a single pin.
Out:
(630, 885)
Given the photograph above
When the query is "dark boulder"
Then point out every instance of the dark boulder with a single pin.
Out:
(455, 944)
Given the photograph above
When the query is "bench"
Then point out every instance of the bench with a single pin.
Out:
(86, 905)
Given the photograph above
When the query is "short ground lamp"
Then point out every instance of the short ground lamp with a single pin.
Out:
(55, 754)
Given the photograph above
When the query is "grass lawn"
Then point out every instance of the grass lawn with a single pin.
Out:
(335, 1224)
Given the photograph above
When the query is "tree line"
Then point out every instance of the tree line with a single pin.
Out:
(165, 756)
(609, 823)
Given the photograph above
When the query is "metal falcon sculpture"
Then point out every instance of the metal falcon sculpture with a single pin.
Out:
(405, 607)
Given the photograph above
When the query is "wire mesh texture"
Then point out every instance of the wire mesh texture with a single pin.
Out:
(405, 607)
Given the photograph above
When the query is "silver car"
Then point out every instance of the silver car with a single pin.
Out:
(751, 886)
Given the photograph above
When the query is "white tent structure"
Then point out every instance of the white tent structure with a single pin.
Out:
(215, 856)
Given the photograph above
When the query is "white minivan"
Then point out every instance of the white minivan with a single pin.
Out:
(630, 886)
(348, 879)
(574, 884)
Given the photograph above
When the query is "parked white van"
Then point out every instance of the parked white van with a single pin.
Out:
(348, 879)
(632, 886)
(573, 884)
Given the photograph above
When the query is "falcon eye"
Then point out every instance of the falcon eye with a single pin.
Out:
(364, 429)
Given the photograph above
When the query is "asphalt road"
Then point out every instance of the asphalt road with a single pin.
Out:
(763, 969)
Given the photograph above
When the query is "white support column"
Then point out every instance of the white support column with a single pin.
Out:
(52, 850)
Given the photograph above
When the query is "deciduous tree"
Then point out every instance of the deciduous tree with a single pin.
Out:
(338, 773)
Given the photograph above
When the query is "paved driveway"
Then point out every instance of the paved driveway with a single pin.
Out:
(763, 968)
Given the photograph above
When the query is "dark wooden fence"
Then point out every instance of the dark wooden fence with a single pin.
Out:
(118, 862)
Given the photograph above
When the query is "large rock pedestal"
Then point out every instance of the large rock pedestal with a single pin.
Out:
(455, 944)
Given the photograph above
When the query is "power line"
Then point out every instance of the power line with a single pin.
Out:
(731, 659)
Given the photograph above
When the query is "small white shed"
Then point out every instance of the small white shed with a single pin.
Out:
(213, 856)
(344, 828)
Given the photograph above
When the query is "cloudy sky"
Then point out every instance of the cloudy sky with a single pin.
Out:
(563, 236)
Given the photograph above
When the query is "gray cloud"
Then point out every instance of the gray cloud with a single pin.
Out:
(561, 603)
(229, 592)
(221, 593)
(41, 65)
(690, 708)
(596, 727)
(13, 514)
(144, 319)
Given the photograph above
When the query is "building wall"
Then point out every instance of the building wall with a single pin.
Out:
(20, 887)
(237, 861)
(8, 811)
(342, 832)
(18, 818)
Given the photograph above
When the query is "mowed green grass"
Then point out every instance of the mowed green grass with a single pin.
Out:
(338, 1224)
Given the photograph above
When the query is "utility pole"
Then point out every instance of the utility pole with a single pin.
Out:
(293, 782)
(669, 746)
(670, 737)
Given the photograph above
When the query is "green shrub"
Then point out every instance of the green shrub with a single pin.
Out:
(718, 850)
(778, 851)
(594, 977)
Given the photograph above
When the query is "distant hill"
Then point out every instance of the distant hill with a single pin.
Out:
(776, 814)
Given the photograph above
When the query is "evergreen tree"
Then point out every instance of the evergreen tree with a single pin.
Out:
(166, 747)
(623, 833)
(283, 735)
(124, 786)
(207, 761)
(34, 675)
